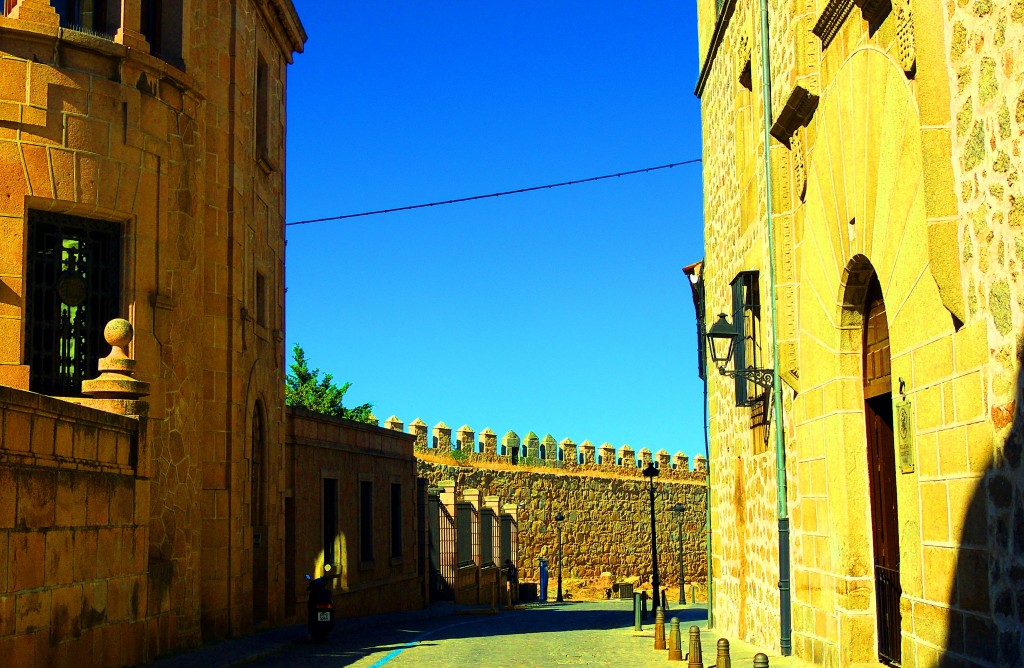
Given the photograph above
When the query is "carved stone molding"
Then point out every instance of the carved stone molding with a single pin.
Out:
(831, 20)
(798, 112)
(905, 38)
(796, 146)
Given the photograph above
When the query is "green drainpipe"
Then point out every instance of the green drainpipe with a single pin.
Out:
(785, 605)
(707, 507)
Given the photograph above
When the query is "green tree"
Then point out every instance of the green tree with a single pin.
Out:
(305, 388)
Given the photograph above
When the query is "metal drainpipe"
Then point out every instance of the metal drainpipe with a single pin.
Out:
(785, 605)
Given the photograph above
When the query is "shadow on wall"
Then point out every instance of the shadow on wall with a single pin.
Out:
(986, 623)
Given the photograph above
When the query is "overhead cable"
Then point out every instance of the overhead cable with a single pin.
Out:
(506, 192)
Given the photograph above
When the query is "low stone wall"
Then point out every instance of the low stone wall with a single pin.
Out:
(607, 523)
(74, 517)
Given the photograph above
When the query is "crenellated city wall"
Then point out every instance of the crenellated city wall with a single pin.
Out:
(599, 490)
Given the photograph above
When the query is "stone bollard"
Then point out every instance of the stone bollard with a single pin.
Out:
(760, 660)
(659, 629)
(694, 658)
(675, 641)
(723, 660)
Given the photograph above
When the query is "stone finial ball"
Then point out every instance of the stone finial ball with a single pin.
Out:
(118, 332)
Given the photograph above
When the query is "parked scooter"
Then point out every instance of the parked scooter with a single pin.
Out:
(320, 605)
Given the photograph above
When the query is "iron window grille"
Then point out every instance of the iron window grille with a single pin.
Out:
(73, 279)
(746, 317)
(365, 520)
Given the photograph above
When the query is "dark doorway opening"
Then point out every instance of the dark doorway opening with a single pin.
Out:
(881, 454)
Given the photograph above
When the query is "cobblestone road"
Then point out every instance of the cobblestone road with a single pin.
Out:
(571, 634)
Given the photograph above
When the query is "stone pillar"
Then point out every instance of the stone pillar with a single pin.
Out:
(40, 12)
(493, 502)
(681, 461)
(531, 445)
(628, 457)
(607, 453)
(130, 31)
(587, 450)
(510, 444)
(568, 448)
(418, 428)
(489, 441)
(473, 496)
(465, 438)
(442, 437)
(511, 509)
(700, 463)
(550, 447)
(645, 457)
(394, 424)
(447, 495)
(663, 459)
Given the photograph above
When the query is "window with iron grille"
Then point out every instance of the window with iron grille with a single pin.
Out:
(396, 520)
(262, 107)
(96, 17)
(365, 520)
(330, 519)
(73, 289)
(257, 504)
(746, 318)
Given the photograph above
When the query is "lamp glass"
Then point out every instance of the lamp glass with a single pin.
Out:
(721, 339)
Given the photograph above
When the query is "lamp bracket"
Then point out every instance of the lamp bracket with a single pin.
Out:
(760, 377)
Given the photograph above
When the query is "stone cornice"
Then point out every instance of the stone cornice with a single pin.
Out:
(796, 113)
(831, 20)
(721, 25)
(285, 24)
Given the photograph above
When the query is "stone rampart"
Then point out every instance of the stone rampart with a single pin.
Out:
(607, 515)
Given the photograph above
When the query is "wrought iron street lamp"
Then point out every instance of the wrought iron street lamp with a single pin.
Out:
(679, 509)
(721, 343)
(650, 473)
(558, 522)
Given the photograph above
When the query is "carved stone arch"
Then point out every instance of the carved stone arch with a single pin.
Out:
(864, 215)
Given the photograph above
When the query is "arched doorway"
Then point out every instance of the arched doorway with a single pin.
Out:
(881, 455)
(257, 511)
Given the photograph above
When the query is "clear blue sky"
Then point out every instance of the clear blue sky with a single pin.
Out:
(561, 311)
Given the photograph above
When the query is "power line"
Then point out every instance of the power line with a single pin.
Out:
(506, 192)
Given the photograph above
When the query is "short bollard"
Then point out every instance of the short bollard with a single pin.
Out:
(694, 658)
(637, 623)
(675, 641)
(760, 660)
(659, 629)
(723, 660)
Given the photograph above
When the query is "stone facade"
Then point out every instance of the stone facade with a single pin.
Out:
(348, 455)
(167, 136)
(895, 156)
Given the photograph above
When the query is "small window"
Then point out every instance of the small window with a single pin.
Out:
(365, 520)
(261, 299)
(257, 510)
(396, 520)
(262, 108)
(330, 503)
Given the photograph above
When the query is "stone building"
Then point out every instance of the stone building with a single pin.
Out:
(141, 176)
(876, 264)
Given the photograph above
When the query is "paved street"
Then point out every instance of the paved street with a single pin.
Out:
(571, 634)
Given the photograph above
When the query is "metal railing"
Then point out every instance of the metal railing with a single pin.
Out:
(887, 595)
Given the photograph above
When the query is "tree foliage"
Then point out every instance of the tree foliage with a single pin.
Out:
(305, 388)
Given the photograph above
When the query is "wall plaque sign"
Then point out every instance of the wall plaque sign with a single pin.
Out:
(903, 425)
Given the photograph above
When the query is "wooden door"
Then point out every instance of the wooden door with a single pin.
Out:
(881, 454)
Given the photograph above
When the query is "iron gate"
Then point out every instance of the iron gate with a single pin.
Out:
(888, 592)
(442, 573)
(73, 287)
